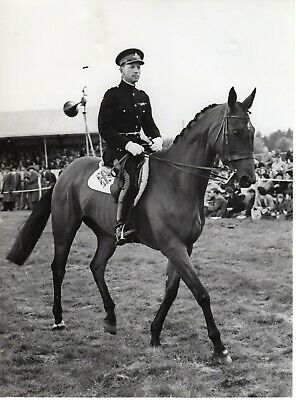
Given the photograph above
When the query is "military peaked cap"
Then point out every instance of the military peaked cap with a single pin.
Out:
(129, 56)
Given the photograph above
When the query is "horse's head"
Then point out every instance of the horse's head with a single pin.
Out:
(235, 138)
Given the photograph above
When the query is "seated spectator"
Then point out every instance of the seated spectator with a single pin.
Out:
(279, 186)
(218, 208)
(256, 162)
(289, 176)
(249, 201)
(289, 164)
(277, 165)
(279, 205)
(235, 203)
(265, 182)
(288, 210)
(289, 156)
(266, 157)
(262, 170)
(264, 202)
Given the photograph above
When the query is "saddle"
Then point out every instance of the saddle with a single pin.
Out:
(111, 180)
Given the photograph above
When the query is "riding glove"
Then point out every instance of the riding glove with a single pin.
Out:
(134, 148)
(157, 144)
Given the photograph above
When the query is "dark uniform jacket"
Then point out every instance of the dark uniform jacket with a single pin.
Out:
(10, 184)
(124, 109)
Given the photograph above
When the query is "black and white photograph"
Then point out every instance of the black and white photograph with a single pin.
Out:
(146, 198)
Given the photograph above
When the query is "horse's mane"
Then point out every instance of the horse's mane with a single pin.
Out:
(184, 130)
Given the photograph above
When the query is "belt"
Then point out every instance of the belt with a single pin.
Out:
(129, 133)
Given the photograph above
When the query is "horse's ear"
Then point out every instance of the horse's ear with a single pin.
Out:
(232, 97)
(247, 103)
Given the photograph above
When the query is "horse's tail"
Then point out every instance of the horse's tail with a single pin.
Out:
(31, 231)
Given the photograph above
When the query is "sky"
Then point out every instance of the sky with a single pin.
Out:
(195, 51)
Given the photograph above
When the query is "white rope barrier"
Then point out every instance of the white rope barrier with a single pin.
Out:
(274, 180)
(28, 190)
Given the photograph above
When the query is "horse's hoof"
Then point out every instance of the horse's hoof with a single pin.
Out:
(222, 358)
(110, 328)
(155, 342)
(59, 327)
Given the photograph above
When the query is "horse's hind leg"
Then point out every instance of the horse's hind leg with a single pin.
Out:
(58, 272)
(64, 230)
(105, 249)
(171, 290)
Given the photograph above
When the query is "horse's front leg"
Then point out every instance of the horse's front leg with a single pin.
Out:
(105, 249)
(171, 290)
(177, 253)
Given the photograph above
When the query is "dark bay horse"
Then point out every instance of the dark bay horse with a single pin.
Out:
(169, 216)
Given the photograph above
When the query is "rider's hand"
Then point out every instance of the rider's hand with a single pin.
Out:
(134, 148)
(157, 144)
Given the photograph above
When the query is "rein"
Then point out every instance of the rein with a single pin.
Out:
(214, 175)
(181, 166)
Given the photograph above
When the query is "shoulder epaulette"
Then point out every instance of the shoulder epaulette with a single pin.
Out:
(143, 92)
(113, 88)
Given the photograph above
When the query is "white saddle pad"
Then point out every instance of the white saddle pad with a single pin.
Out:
(102, 179)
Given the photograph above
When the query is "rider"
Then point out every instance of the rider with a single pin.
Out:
(124, 111)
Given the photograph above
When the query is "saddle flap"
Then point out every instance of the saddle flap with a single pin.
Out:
(103, 180)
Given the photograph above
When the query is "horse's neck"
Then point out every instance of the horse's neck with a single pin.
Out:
(192, 149)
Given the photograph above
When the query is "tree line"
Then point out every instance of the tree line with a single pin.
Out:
(278, 140)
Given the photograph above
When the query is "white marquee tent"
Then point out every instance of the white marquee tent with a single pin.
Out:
(44, 123)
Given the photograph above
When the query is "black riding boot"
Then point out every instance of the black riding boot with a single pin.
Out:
(123, 233)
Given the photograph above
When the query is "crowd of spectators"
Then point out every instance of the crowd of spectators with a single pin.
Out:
(270, 197)
(58, 158)
(25, 170)
(21, 188)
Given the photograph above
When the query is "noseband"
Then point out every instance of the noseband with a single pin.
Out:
(225, 135)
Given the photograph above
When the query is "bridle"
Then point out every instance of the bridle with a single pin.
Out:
(224, 129)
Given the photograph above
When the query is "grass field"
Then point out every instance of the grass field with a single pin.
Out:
(247, 271)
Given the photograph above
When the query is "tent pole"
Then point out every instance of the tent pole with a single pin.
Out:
(45, 152)
(88, 134)
(86, 144)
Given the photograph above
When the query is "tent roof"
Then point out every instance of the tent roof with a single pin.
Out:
(45, 122)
